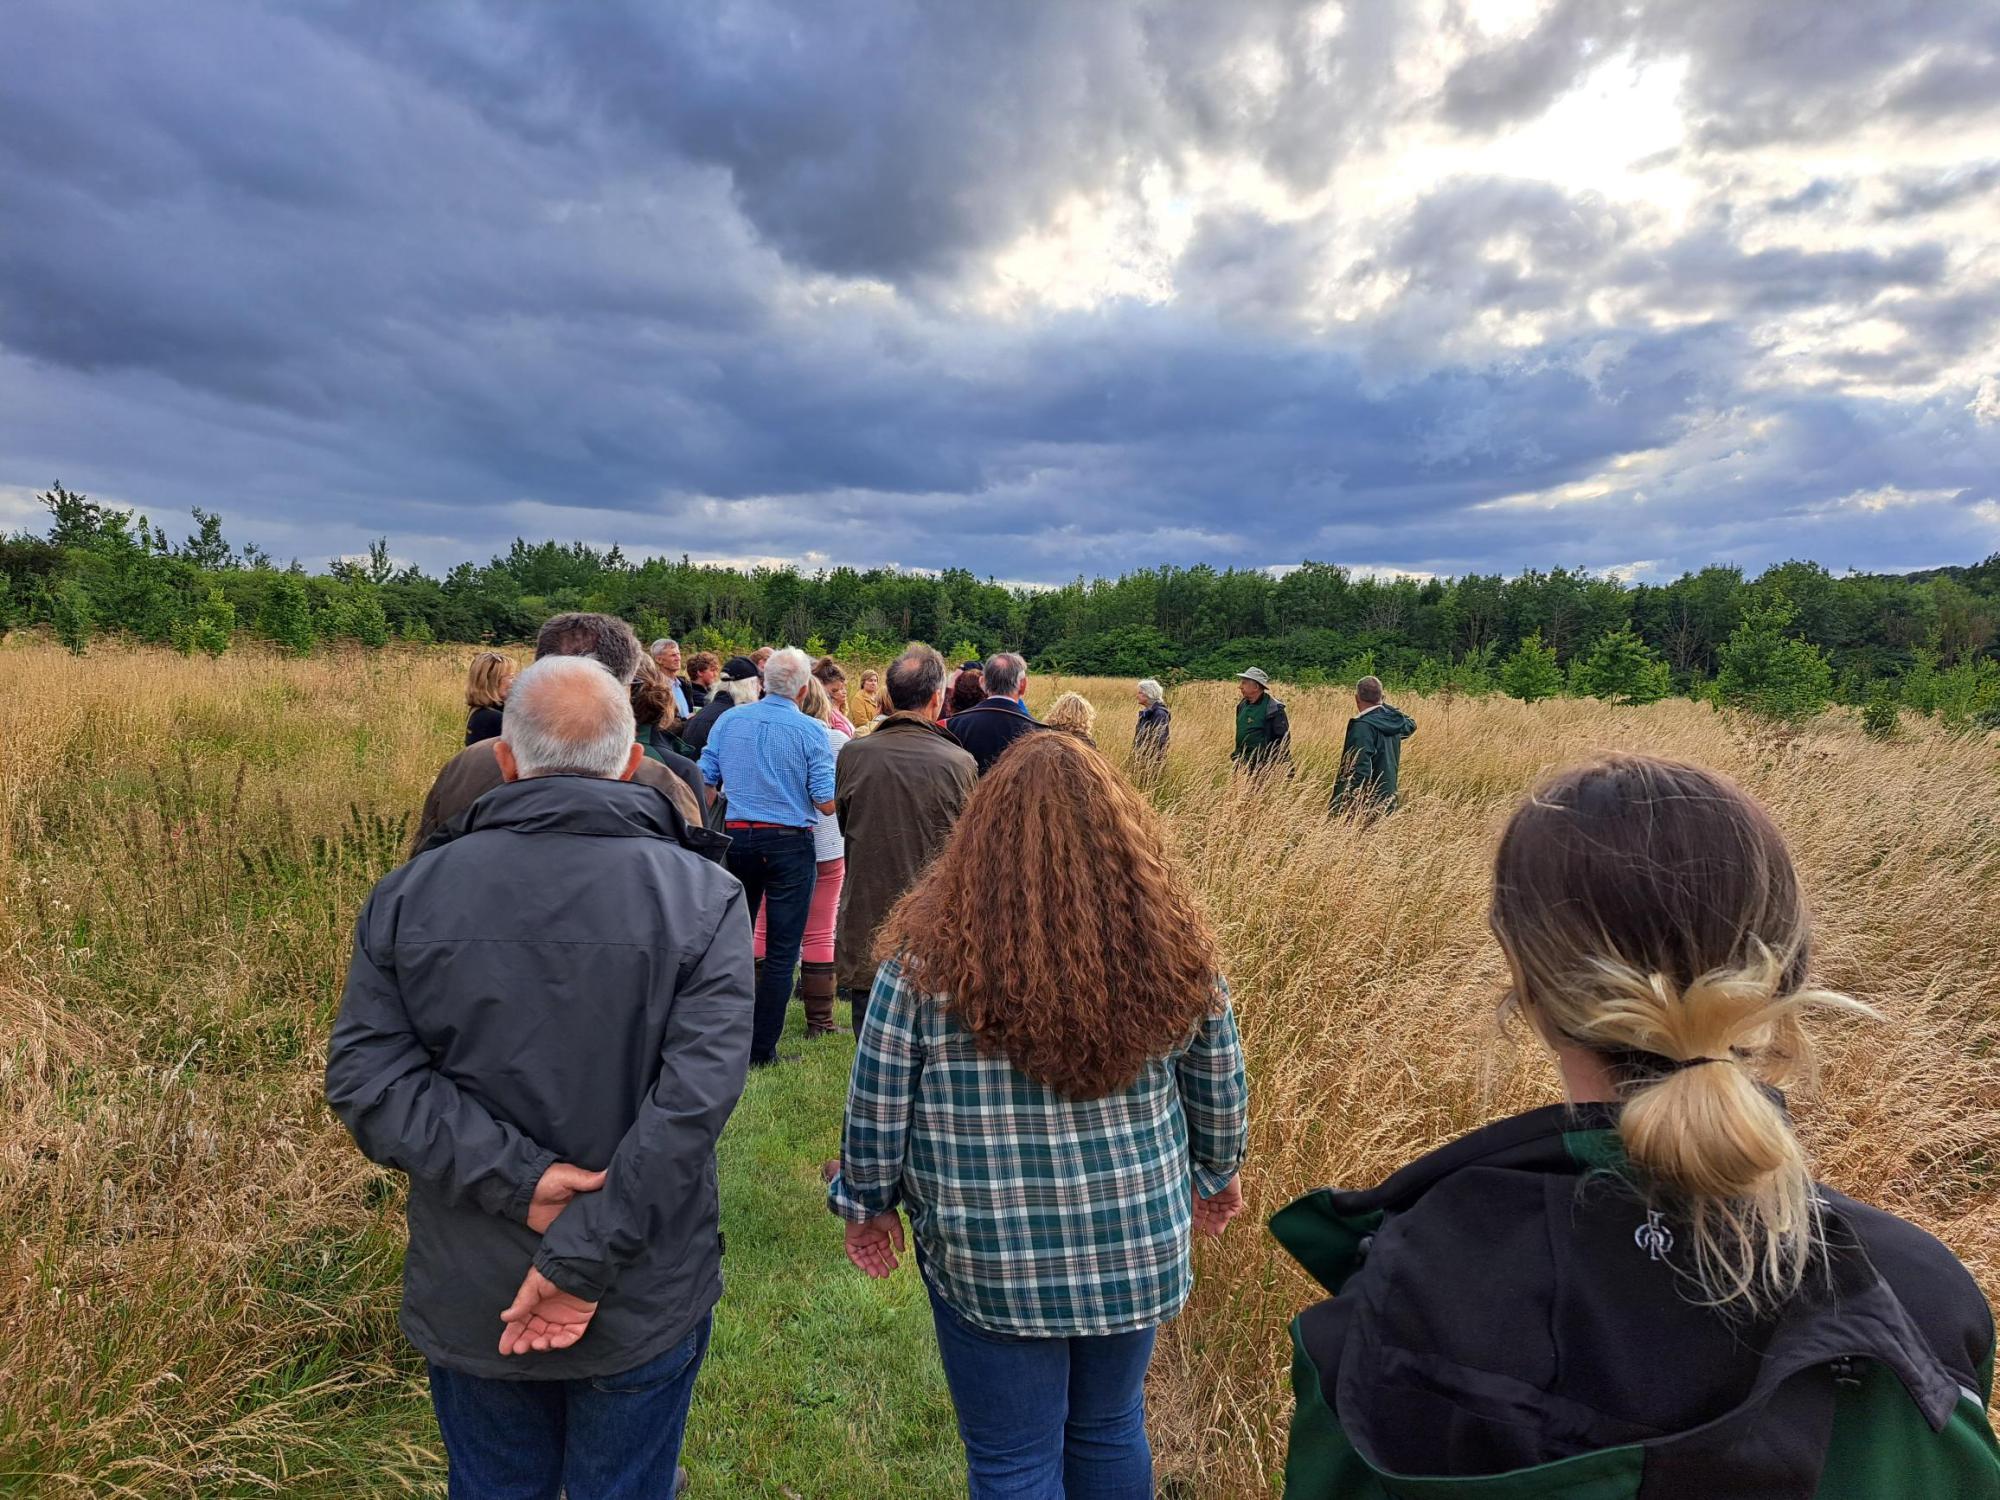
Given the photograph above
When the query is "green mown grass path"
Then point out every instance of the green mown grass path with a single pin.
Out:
(820, 1384)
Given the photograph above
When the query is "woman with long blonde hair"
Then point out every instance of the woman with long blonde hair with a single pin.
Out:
(487, 680)
(1049, 1084)
(1641, 1291)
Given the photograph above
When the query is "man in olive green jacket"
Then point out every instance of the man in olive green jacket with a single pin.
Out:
(1263, 732)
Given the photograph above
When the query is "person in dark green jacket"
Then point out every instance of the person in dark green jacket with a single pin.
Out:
(1263, 732)
(1641, 1294)
(1373, 755)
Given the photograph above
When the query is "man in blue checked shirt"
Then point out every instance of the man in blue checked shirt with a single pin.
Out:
(775, 764)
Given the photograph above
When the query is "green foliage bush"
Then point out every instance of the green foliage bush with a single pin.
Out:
(72, 616)
(1622, 668)
(286, 615)
(1882, 716)
(1768, 670)
(1531, 672)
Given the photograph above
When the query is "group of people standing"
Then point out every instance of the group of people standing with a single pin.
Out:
(1371, 756)
(554, 1006)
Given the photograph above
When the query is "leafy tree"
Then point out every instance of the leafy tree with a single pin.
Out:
(1882, 717)
(79, 521)
(214, 624)
(286, 616)
(1920, 683)
(208, 549)
(1531, 672)
(1771, 672)
(1622, 668)
(72, 616)
(1969, 694)
(354, 613)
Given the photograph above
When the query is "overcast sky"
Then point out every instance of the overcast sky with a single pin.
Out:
(1031, 288)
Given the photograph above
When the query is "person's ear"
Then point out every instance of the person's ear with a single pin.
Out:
(632, 762)
(510, 768)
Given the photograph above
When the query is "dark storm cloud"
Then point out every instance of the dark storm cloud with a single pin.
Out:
(893, 140)
(701, 277)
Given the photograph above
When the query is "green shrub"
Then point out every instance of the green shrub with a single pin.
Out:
(1771, 672)
(286, 615)
(1622, 668)
(72, 616)
(1531, 673)
(1882, 716)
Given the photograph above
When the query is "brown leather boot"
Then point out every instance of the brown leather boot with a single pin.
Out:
(816, 988)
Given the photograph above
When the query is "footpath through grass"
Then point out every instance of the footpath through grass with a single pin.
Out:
(820, 1384)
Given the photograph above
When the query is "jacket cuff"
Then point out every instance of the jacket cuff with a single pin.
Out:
(539, 1160)
(573, 1276)
(840, 1201)
(1207, 1182)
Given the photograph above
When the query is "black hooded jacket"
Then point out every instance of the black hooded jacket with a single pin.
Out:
(1510, 1303)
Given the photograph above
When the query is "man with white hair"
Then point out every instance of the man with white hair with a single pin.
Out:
(1149, 735)
(546, 1023)
(777, 768)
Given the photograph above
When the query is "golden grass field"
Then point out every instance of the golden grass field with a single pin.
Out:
(197, 1268)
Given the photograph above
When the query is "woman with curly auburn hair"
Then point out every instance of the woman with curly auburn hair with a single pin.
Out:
(1049, 1082)
(486, 684)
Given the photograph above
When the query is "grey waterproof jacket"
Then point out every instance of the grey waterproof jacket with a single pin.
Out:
(563, 974)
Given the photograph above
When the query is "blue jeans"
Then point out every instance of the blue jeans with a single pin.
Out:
(1048, 1418)
(616, 1437)
(777, 867)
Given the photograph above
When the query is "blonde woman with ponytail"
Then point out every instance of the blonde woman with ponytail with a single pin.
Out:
(1641, 1293)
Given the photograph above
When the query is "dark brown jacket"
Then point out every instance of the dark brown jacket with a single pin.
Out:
(473, 772)
(897, 789)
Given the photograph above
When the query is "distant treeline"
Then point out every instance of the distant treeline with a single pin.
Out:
(1924, 640)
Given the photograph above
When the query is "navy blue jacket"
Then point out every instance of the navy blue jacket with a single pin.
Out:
(988, 728)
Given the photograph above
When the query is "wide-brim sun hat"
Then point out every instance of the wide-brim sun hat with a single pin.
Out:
(1256, 675)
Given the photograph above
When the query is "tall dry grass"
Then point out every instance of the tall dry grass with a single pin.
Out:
(1366, 984)
(197, 1271)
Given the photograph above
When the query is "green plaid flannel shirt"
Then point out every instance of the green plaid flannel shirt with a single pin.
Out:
(1036, 1215)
